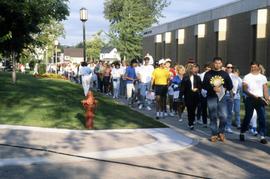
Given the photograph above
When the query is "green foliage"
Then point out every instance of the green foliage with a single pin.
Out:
(128, 19)
(24, 19)
(94, 46)
(6, 37)
(42, 68)
(57, 103)
(44, 41)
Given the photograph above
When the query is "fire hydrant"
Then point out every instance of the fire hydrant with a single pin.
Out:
(89, 105)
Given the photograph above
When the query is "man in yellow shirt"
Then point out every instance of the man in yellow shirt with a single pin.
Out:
(160, 81)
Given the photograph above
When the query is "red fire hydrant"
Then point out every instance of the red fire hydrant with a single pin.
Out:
(89, 105)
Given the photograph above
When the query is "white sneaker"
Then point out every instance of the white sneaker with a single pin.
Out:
(165, 114)
(140, 106)
(148, 108)
(180, 119)
(157, 115)
(161, 114)
(229, 130)
(171, 114)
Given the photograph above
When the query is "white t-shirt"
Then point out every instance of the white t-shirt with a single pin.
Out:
(116, 73)
(203, 91)
(255, 83)
(192, 81)
(123, 70)
(145, 73)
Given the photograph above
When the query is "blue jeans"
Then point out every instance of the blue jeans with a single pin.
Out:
(144, 87)
(229, 102)
(236, 109)
(250, 105)
(217, 110)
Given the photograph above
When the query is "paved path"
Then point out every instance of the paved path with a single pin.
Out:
(121, 143)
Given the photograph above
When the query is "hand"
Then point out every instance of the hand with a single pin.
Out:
(217, 89)
(195, 89)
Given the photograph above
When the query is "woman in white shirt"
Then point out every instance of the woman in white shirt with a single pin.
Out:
(115, 76)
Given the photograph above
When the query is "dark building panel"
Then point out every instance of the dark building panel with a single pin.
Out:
(238, 41)
(148, 45)
(210, 42)
(173, 47)
(267, 66)
(158, 51)
(189, 45)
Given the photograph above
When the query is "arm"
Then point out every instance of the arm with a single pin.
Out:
(265, 92)
(206, 83)
(245, 89)
(152, 80)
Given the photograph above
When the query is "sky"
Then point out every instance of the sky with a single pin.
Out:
(96, 21)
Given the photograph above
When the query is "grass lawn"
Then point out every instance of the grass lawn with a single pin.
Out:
(56, 104)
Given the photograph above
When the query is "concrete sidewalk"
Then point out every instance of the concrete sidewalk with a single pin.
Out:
(101, 144)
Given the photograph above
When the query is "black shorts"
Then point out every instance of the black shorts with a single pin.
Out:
(161, 90)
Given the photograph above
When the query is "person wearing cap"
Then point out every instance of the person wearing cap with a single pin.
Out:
(144, 76)
(151, 60)
(160, 80)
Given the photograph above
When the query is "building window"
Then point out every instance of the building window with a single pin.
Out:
(158, 38)
(222, 29)
(261, 23)
(201, 31)
(181, 36)
(168, 37)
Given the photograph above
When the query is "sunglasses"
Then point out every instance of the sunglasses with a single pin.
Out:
(229, 67)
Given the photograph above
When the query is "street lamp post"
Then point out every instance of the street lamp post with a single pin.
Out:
(55, 44)
(83, 18)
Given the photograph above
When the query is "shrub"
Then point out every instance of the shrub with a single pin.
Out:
(51, 76)
(42, 69)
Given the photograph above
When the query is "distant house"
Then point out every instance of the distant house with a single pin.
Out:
(109, 54)
(73, 55)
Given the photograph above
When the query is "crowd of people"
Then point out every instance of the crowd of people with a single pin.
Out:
(212, 93)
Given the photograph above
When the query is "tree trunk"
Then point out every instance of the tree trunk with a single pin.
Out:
(14, 69)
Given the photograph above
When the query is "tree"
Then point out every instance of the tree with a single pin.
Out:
(93, 46)
(24, 19)
(128, 19)
(44, 41)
